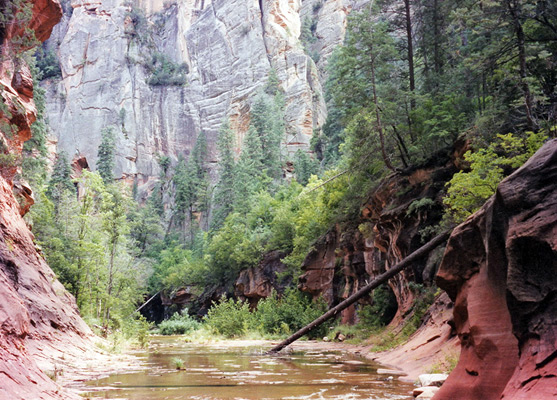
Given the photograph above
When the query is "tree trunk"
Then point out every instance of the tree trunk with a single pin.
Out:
(405, 263)
(378, 115)
(514, 10)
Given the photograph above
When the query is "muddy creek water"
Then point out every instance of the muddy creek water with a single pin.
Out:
(233, 372)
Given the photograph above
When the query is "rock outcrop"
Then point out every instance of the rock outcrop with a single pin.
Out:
(228, 48)
(394, 222)
(37, 315)
(254, 284)
(500, 269)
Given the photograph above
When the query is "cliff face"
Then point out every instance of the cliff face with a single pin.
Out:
(229, 49)
(500, 269)
(37, 315)
(393, 224)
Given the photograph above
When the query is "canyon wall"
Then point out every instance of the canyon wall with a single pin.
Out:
(38, 317)
(500, 269)
(398, 217)
(228, 48)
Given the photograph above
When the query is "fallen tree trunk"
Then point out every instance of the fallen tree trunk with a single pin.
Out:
(405, 263)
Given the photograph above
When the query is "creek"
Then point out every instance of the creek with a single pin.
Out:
(246, 372)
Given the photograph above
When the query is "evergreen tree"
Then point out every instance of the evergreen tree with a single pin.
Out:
(106, 153)
(267, 117)
(60, 180)
(224, 198)
(250, 171)
(304, 167)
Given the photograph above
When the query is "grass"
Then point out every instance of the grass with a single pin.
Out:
(178, 363)
(446, 364)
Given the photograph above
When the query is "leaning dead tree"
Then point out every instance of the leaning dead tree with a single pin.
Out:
(405, 263)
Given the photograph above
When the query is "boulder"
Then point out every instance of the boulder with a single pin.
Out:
(432, 379)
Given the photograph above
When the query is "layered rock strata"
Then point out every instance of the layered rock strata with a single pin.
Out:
(229, 49)
(38, 317)
(500, 269)
(395, 221)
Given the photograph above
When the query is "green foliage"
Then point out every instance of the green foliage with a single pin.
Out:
(48, 64)
(176, 268)
(418, 205)
(60, 182)
(16, 15)
(304, 167)
(267, 117)
(165, 72)
(287, 314)
(106, 154)
(229, 318)
(380, 312)
(224, 198)
(179, 324)
(178, 363)
(467, 191)
(34, 153)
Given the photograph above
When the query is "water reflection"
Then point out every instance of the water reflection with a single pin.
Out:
(213, 372)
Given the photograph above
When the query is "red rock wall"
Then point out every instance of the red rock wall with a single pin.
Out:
(500, 269)
(345, 259)
(37, 315)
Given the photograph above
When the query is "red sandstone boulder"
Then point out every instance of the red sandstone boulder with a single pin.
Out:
(500, 269)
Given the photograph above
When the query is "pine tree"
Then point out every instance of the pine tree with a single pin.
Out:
(106, 153)
(60, 180)
(250, 171)
(304, 167)
(224, 198)
(267, 117)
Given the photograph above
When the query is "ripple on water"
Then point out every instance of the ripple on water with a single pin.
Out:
(246, 374)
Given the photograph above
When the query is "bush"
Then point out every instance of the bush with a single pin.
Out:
(381, 312)
(165, 72)
(289, 313)
(48, 64)
(229, 318)
(467, 191)
(178, 324)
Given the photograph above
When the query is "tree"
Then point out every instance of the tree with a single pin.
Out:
(267, 117)
(60, 181)
(250, 172)
(106, 153)
(114, 224)
(304, 167)
(224, 192)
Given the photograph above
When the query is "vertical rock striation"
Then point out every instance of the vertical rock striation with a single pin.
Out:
(36, 312)
(500, 269)
(229, 47)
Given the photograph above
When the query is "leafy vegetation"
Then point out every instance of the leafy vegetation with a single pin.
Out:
(410, 79)
(468, 190)
(179, 324)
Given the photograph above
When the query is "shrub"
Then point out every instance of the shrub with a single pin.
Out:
(229, 318)
(381, 312)
(467, 191)
(178, 324)
(165, 72)
(289, 313)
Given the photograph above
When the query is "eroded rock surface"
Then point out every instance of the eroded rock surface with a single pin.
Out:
(393, 224)
(38, 317)
(229, 47)
(500, 268)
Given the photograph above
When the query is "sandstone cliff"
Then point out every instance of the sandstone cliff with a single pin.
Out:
(37, 315)
(228, 49)
(396, 220)
(500, 269)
